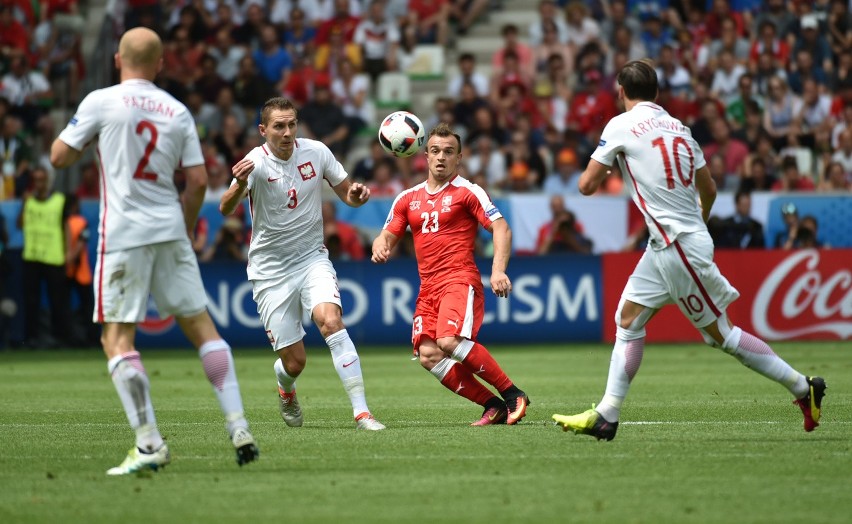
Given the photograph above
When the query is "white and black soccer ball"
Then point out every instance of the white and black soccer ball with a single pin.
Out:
(402, 134)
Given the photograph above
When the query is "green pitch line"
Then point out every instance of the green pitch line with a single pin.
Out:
(702, 439)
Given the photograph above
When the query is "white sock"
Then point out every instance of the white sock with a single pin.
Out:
(756, 354)
(131, 383)
(625, 361)
(348, 367)
(285, 381)
(219, 367)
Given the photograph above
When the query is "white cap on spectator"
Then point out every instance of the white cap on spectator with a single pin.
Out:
(809, 21)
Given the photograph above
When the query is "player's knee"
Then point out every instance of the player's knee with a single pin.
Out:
(632, 317)
(329, 324)
(448, 344)
(722, 334)
(430, 360)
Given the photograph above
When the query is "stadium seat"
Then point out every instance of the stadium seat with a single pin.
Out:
(393, 91)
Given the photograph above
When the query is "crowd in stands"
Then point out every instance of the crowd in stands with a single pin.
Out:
(765, 86)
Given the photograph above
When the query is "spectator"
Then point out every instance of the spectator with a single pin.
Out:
(549, 46)
(548, 18)
(738, 108)
(485, 124)
(15, 155)
(299, 37)
(755, 176)
(218, 180)
(618, 20)
(625, 42)
(486, 161)
(209, 83)
(351, 91)
(229, 244)
(351, 245)
(843, 154)
(190, 19)
(730, 41)
(792, 179)
(385, 183)
(322, 119)
(720, 12)
(841, 78)
(814, 121)
(524, 65)
(248, 30)
(739, 231)
(592, 107)
(733, 151)
(803, 70)
(582, 28)
(28, 92)
(815, 42)
(364, 169)
(776, 13)
(182, 59)
(565, 237)
(726, 78)
(672, 75)
(807, 235)
(342, 21)
(836, 178)
(59, 58)
(79, 273)
(14, 37)
(429, 19)
(250, 90)
(524, 161)
(41, 221)
(329, 54)
(227, 54)
(566, 175)
(655, 34)
(781, 110)
(379, 38)
(468, 75)
(769, 43)
(839, 24)
(231, 140)
(273, 61)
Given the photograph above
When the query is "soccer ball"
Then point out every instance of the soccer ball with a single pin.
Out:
(402, 134)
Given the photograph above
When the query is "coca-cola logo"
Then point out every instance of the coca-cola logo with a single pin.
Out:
(800, 298)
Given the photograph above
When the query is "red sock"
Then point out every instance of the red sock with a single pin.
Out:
(480, 362)
(461, 381)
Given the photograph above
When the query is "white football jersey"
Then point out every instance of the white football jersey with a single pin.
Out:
(144, 135)
(285, 197)
(658, 158)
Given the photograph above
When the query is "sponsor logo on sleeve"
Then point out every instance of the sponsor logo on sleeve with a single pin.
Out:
(491, 212)
(602, 143)
(73, 120)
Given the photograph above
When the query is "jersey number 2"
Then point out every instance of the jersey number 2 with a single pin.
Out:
(146, 157)
(677, 144)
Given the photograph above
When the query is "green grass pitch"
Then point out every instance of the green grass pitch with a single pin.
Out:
(702, 439)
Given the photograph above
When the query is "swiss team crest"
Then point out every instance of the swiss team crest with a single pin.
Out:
(446, 202)
(306, 170)
(414, 205)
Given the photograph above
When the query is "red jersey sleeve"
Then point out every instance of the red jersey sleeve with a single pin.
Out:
(397, 219)
(480, 206)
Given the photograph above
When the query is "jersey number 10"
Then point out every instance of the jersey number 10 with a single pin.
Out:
(678, 143)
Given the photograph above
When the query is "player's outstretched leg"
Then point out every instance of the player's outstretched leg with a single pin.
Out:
(219, 367)
(348, 367)
(478, 360)
(601, 422)
(756, 354)
(288, 403)
(461, 381)
(131, 382)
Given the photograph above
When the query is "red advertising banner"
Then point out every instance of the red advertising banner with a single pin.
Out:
(784, 295)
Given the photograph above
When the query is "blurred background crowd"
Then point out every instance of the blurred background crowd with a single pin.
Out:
(766, 87)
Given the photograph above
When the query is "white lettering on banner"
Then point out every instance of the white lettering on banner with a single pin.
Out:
(219, 310)
(558, 299)
(557, 292)
(809, 290)
(360, 301)
(396, 297)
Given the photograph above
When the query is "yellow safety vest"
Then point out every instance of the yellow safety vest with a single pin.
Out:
(44, 233)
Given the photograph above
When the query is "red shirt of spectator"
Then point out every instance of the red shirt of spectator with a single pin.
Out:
(591, 108)
(343, 22)
(12, 33)
(425, 8)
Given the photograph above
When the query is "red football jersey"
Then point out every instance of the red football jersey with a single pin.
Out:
(444, 225)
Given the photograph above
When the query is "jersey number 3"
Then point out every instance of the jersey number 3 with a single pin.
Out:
(677, 144)
(140, 172)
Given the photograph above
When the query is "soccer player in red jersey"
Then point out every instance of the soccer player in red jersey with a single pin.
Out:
(444, 213)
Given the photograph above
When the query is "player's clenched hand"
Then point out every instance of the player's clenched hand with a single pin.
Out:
(358, 193)
(500, 284)
(381, 252)
(242, 170)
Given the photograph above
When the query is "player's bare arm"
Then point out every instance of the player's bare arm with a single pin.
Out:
(706, 191)
(383, 245)
(235, 194)
(500, 283)
(62, 155)
(193, 195)
(593, 177)
(353, 194)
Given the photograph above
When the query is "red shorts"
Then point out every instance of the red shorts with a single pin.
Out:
(451, 310)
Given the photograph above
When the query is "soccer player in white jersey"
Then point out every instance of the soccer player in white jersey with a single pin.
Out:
(665, 172)
(144, 239)
(288, 264)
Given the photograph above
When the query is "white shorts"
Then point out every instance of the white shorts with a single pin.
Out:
(284, 302)
(684, 274)
(168, 271)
